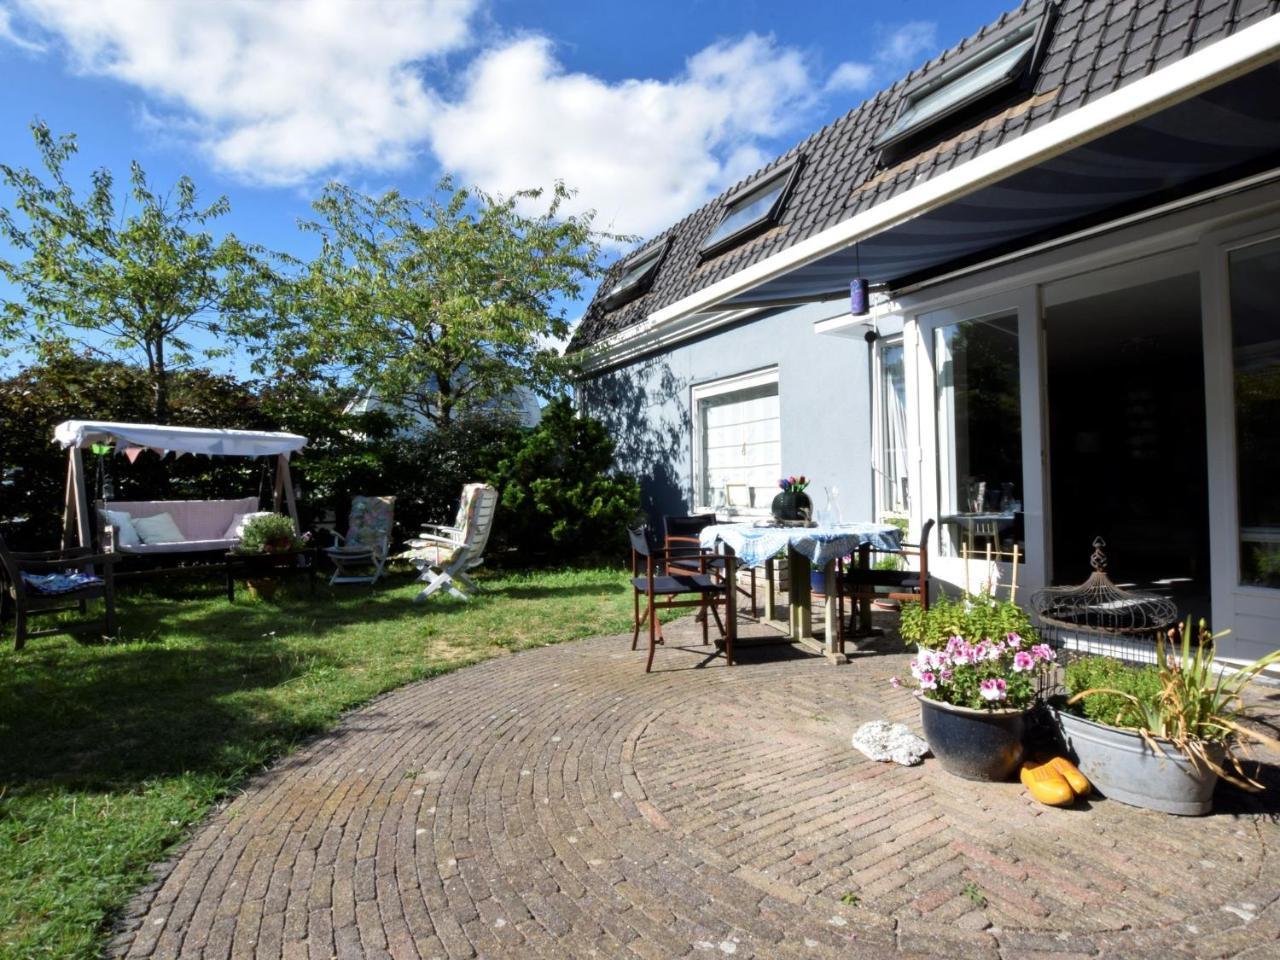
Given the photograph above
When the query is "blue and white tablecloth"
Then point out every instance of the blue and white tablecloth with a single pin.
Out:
(754, 545)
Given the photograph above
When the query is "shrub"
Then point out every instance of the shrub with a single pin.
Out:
(1090, 673)
(560, 497)
(64, 385)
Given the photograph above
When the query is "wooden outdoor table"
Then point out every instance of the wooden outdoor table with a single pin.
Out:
(270, 565)
(806, 547)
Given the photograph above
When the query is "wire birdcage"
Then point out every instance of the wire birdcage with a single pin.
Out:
(1099, 617)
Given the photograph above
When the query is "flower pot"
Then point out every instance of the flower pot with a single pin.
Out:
(1122, 766)
(789, 506)
(974, 744)
(263, 588)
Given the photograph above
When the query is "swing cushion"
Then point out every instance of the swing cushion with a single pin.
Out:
(126, 535)
(203, 523)
(159, 529)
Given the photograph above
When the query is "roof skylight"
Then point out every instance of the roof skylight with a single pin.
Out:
(751, 209)
(636, 277)
(1007, 59)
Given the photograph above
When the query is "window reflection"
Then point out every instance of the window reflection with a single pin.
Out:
(979, 435)
(892, 466)
(1255, 330)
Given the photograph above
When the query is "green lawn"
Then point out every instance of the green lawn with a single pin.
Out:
(110, 753)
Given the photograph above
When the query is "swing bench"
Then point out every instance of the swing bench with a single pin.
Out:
(197, 531)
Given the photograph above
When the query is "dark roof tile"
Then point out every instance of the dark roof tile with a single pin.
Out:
(1097, 46)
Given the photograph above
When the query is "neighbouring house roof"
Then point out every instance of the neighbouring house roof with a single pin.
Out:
(519, 404)
(1096, 48)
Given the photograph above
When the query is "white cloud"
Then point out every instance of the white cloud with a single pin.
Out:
(904, 47)
(895, 52)
(8, 35)
(851, 77)
(285, 93)
(642, 152)
(280, 91)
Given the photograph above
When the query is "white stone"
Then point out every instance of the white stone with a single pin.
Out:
(883, 741)
(1242, 912)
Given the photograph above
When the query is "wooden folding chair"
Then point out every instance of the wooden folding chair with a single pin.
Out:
(682, 542)
(652, 578)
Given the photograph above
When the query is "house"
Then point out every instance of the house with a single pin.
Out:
(519, 405)
(1070, 224)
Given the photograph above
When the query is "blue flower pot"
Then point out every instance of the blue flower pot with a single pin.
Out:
(974, 744)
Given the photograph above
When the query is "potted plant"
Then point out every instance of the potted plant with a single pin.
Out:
(1160, 736)
(976, 683)
(268, 536)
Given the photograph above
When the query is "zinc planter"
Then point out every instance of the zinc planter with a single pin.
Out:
(1122, 766)
(974, 744)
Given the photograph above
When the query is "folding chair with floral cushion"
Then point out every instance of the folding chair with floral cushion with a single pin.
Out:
(443, 555)
(366, 543)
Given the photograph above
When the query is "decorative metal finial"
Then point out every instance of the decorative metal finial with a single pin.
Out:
(1099, 559)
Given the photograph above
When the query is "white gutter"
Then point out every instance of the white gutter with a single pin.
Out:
(1222, 61)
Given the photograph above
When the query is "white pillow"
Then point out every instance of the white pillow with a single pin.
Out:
(236, 530)
(158, 529)
(126, 535)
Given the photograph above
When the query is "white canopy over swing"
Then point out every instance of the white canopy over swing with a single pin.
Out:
(131, 438)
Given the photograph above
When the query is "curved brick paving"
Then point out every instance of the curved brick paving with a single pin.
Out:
(561, 803)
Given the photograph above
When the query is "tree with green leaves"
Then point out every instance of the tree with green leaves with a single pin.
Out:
(137, 277)
(561, 496)
(439, 307)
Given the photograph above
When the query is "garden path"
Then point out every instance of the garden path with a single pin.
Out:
(562, 803)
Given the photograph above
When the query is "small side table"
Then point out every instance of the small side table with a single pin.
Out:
(274, 565)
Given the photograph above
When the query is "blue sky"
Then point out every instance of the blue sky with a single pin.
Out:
(648, 109)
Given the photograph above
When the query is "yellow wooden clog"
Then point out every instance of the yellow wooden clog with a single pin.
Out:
(1079, 782)
(1046, 784)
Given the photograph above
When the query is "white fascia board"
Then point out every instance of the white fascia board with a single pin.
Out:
(647, 336)
(1234, 56)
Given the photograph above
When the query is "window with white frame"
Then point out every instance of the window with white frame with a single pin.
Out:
(737, 454)
(892, 485)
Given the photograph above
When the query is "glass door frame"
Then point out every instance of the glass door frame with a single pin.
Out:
(1251, 613)
(921, 361)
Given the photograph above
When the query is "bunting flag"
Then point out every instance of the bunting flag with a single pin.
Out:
(132, 453)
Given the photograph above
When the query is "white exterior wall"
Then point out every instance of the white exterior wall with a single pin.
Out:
(823, 397)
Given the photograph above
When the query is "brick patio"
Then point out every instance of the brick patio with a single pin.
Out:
(561, 803)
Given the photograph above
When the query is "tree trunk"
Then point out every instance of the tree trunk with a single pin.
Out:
(159, 384)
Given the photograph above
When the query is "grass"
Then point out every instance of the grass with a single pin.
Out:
(110, 753)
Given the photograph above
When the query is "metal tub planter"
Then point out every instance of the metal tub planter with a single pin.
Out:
(1122, 766)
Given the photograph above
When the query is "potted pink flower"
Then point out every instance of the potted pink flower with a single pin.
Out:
(974, 698)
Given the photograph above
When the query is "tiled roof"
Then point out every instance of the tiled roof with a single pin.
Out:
(1097, 47)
